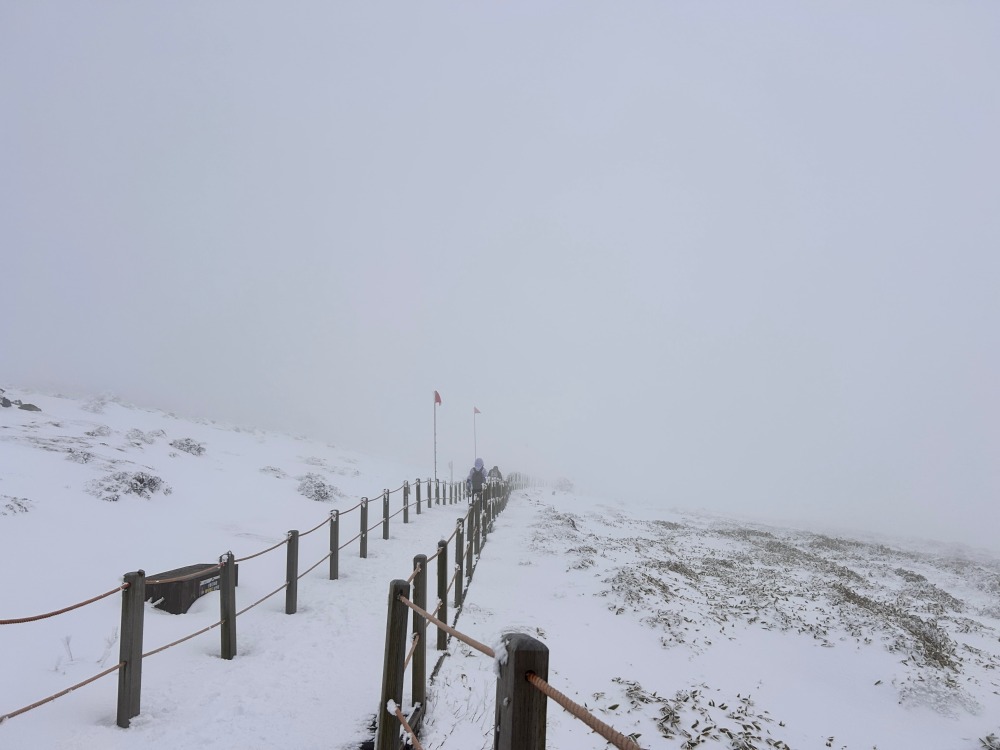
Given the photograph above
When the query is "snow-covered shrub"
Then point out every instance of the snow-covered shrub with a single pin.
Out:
(313, 487)
(113, 486)
(188, 446)
(102, 430)
(79, 457)
(138, 438)
(274, 471)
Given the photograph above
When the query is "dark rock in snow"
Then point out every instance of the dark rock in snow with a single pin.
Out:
(28, 407)
(4, 401)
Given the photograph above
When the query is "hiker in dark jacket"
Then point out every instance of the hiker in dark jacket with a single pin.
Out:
(494, 475)
(477, 478)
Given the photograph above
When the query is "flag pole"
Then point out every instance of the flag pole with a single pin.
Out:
(435, 438)
(475, 443)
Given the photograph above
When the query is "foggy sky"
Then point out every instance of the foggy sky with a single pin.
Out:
(739, 256)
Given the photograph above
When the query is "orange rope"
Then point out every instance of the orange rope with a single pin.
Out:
(61, 693)
(19, 620)
(323, 559)
(413, 647)
(414, 574)
(262, 552)
(448, 629)
(263, 599)
(612, 735)
(181, 640)
(320, 525)
(409, 730)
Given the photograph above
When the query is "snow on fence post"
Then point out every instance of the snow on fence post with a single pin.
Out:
(442, 567)
(387, 737)
(437, 491)
(430, 494)
(130, 647)
(418, 665)
(292, 574)
(334, 545)
(459, 550)
(418, 496)
(227, 604)
(364, 527)
(385, 514)
(406, 502)
(520, 706)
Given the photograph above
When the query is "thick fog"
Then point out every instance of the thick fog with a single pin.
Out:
(742, 257)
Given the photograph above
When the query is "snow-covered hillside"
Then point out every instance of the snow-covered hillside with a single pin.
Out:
(679, 628)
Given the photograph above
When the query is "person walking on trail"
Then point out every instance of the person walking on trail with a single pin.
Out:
(477, 478)
(494, 474)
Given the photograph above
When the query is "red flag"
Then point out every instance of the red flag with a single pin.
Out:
(437, 397)
(475, 410)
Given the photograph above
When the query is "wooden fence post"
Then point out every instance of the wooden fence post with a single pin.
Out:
(392, 668)
(385, 514)
(418, 665)
(430, 494)
(364, 527)
(521, 707)
(130, 647)
(437, 491)
(418, 496)
(442, 569)
(477, 509)
(459, 558)
(292, 574)
(334, 545)
(406, 502)
(227, 604)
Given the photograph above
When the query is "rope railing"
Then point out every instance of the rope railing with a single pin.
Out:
(262, 552)
(395, 711)
(454, 576)
(263, 599)
(320, 525)
(61, 693)
(35, 618)
(181, 640)
(482, 648)
(373, 527)
(609, 733)
(397, 512)
(311, 569)
(413, 647)
(355, 538)
(414, 574)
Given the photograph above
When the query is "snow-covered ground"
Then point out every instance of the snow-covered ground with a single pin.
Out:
(675, 627)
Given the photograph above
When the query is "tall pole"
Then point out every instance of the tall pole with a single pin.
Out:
(475, 443)
(435, 439)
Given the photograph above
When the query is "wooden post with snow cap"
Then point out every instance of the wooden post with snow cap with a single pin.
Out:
(442, 570)
(227, 604)
(385, 514)
(387, 737)
(130, 647)
(406, 502)
(364, 527)
(520, 706)
(334, 545)
(418, 496)
(459, 557)
(292, 574)
(430, 494)
(418, 665)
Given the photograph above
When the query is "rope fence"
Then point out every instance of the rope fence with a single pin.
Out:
(134, 599)
(61, 693)
(64, 610)
(520, 723)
